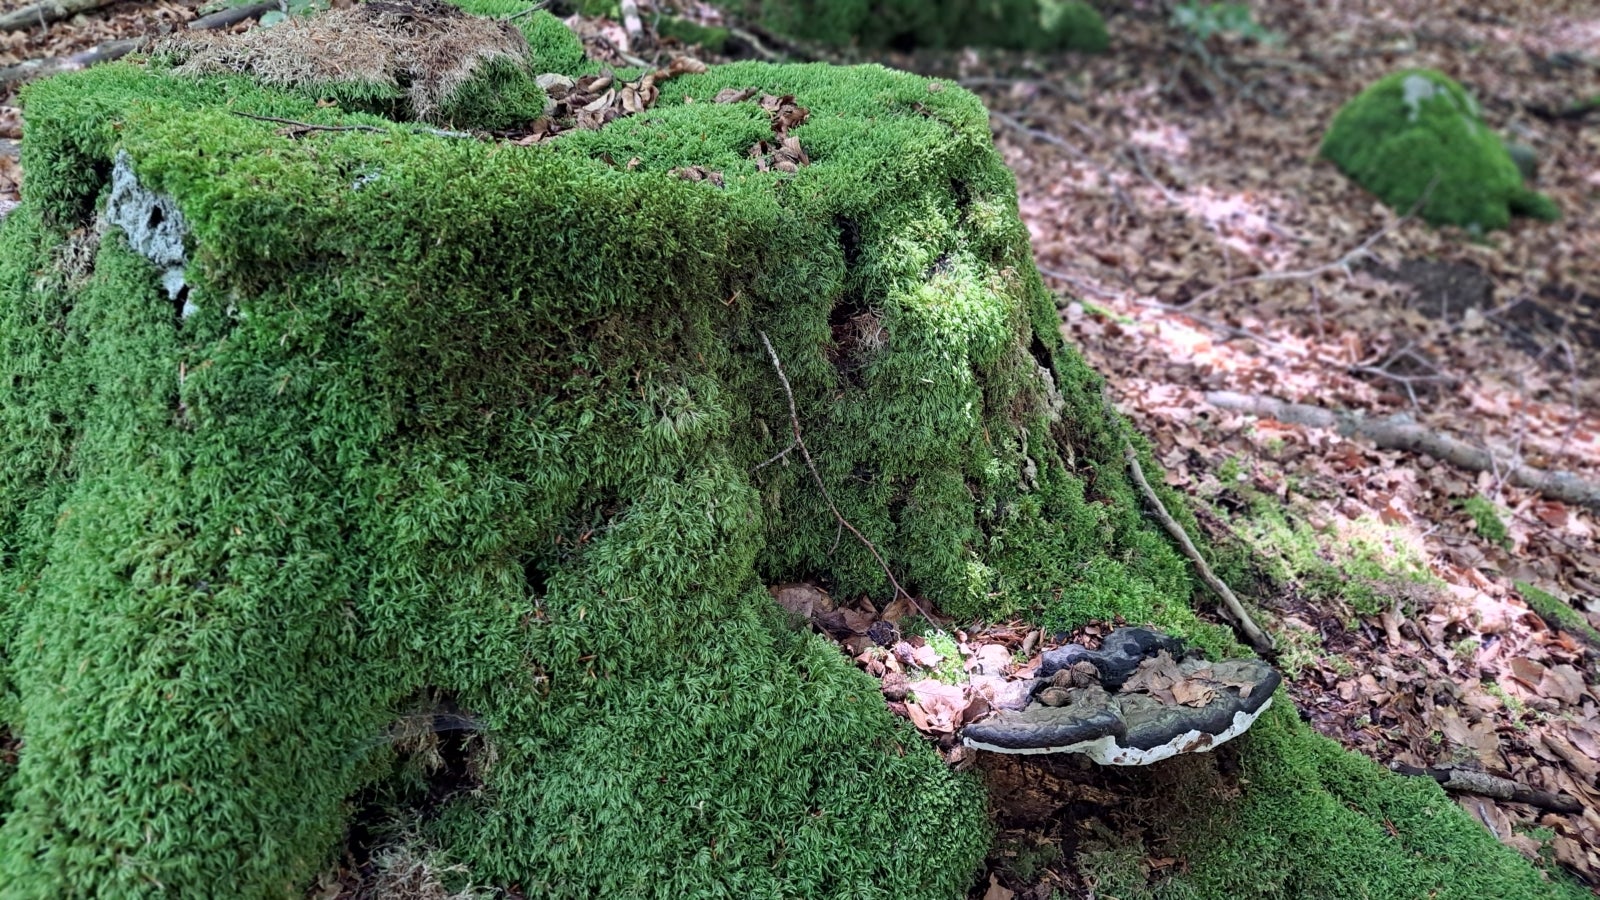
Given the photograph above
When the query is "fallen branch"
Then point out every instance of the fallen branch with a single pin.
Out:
(46, 12)
(55, 65)
(1466, 781)
(1258, 638)
(1399, 432)
(799, 443)
(749, 39)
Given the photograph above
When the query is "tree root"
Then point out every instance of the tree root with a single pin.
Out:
(1399, 432)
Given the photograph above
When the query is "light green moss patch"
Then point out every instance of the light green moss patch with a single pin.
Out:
(1558, 612)
(1417, 134)
(1016, 24)
(1486, 519)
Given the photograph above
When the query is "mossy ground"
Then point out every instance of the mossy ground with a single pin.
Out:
(1017, 24)
(1417, 136)
(454, 417)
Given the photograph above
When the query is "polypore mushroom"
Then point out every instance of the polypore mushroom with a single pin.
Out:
(1131, 703)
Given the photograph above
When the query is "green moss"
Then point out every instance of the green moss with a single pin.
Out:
(1558, 612)
(693, 34)
(1417, 136)
(1486, 519)
(1017, 24)
(484, 420)
(1312, 821)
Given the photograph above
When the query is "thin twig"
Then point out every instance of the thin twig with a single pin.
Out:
(1258, 638)
(805, 454)
(532, 9)
(369, 129)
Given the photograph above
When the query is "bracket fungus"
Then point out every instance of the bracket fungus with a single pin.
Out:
(1136, 701)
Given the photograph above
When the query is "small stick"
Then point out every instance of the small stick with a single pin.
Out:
(1257, 637)
(1056, 140)
(805, 454)
(532, 9)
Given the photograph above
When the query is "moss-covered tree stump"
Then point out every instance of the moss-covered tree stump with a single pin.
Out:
(305, 424)
(1417, 139)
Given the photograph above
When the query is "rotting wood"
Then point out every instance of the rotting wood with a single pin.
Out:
(1466, 781)
(55, 65)
(1258, 638)
(1402, 433)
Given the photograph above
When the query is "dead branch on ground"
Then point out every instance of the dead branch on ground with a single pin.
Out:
(1466, 781)
(297, 129)
(799, 443)
(1400, 432)
(1258, 638)
(38, 68)
(48, 11)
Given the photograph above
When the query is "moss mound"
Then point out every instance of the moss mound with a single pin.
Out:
(1417, 134)
(307, 428)
(903, 24)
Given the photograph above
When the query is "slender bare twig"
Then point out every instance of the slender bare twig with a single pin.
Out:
(369, 129)
(532, 9)
(1258, 638)
(805, 454)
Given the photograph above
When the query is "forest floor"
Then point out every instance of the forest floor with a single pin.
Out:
(1429, 615)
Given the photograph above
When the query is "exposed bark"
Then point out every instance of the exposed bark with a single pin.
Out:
(38, 68)
(1466, 781)
(1399, 432)
(46, 12)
